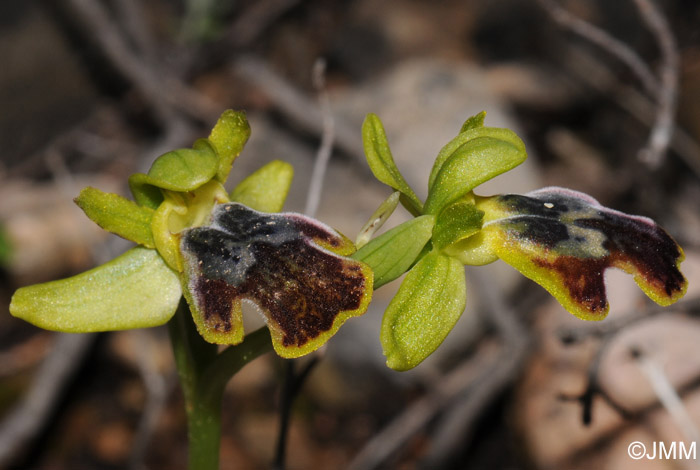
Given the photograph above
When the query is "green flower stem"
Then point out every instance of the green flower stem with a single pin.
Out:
(203, 376)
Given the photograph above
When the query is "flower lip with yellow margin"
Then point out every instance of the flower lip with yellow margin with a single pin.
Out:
(293, 267)
(565, 240)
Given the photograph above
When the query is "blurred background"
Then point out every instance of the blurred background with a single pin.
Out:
(606, 96)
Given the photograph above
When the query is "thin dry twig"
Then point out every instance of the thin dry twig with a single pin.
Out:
(605, 41)
(455, 431)
(607, 332)
(323, 155)
(631, 416)
(158, 386)
(253, 21)
(386, 442)
(642, 109)
(296, 106)
(96, 21)
(594, 388)
(667, 394)
(248, 26)
(577, 334)
(663, 90)
(34, 161)
(595, 75)
(163, 92)
(27, 419)
(293, 381)
(132, 19)
(466, 391)
(25, 354)
(667, 92)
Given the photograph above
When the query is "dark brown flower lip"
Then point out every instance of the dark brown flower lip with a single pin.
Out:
(575, 239)
(283, 263)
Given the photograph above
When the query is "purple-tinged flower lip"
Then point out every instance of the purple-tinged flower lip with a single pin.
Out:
(565, 240)
(290, 265)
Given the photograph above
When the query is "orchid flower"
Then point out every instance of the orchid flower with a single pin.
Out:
(215, 249)
(562, 239)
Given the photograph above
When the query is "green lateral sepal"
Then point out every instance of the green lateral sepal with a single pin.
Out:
(134, 290)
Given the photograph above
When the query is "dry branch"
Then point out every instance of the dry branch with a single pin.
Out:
(663, 89)
(301, 110)
(667, 92)
(466, 391)
(27, 419)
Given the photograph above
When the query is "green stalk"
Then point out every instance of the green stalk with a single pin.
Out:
(203, 377)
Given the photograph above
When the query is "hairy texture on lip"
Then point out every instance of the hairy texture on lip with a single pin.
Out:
(291, 266)
(565, 240)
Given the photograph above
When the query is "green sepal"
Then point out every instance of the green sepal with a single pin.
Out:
(392, 253)
(228, 137)
(382, 164)
(134, 290)
(118, 215)
(180, 171)
(429, 302)
(266, 189)
(473, 157)
(473, 122)
(456, 222)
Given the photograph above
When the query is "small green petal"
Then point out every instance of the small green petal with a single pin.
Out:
(266, 189)
(455, 223)
(471, 158)
(381, 162)
(135, 290)
(180, 171)
(118, 215)
(377, 220)
(228, 137)
(428, 304)
(392, 253)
